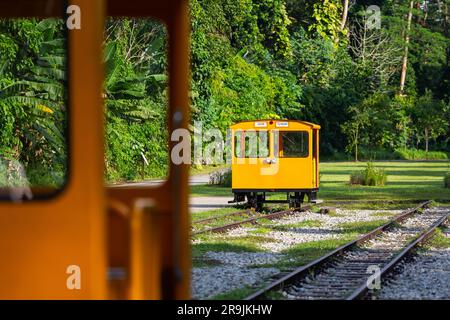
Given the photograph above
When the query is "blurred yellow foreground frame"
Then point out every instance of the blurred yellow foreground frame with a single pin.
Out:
(141, 234)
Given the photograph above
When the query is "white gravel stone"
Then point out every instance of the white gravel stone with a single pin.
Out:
(329, 228)
(209, 282)
(430, 275)
(238, 268)
(243, 259)
(427, 276)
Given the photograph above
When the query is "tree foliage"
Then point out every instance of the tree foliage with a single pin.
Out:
(297, 59)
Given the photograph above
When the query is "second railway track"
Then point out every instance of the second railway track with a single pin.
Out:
(250, 217)
(344, 273)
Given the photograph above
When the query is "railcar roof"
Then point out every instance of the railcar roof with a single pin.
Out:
(309, 124)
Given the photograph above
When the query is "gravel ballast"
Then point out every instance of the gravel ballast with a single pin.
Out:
(426, 276)
(234, 270)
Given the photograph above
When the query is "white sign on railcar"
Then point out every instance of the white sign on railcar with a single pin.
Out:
(260, 124)
(283, 124)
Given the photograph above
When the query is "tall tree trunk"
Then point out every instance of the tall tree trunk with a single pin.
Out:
(344, 14)
(405, 56)
(356, 144)
(446, 19)
(426, 142)
(343, 19)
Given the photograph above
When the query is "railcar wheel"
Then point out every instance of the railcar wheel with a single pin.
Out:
(259, 202)
(251, 200)
(296, 200)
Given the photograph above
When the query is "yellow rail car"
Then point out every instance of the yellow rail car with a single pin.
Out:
(88, 241)
(275, 156)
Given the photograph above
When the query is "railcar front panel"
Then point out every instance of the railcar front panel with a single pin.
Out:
(275, 156)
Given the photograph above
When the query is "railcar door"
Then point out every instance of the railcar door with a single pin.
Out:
(292, 159)
(251, 151)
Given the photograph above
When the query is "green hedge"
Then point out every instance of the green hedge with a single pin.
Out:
(384, 154)
(414, 154)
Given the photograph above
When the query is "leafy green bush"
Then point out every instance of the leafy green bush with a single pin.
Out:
(221, 178)
(370, 176)
(46, 177)
(12, 174)
(414, 154)
(357, 178)
(447, 180)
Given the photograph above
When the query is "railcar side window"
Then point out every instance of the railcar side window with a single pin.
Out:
(251, 144)
(33, 108)
(294, 144)
(136, 99)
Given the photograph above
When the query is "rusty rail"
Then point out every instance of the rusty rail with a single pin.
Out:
(320, 263)
(270, 216)
(238, 213)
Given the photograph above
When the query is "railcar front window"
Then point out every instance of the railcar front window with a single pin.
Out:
(251, 144)
(294, 144)
(33, 108)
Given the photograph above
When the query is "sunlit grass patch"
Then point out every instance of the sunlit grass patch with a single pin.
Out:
(439, 240)
(335, 214)
(361, 227)
(213, 213)
(199, 249)
(408, 180)
(264, 221)
(377, 205)
(205, 190)
(386, 214)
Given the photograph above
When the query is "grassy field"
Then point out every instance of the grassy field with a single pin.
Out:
(407, 180)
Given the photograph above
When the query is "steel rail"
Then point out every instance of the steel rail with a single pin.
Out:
(363, 289)
(223, 216)
(270, 216)
(309, 268)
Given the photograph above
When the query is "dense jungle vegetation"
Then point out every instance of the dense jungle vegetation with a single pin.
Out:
(379, 91)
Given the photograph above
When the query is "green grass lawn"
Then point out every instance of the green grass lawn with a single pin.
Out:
(407, 180)
(212, 213)
(197, 170)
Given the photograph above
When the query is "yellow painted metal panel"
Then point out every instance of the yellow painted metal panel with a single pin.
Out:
(40, 240)
(285, 173)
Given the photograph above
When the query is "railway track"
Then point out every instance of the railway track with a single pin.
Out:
(228, 215)
(252, 220)
(345, 272)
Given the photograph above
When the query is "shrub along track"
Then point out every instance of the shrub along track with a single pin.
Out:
(343, 273)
